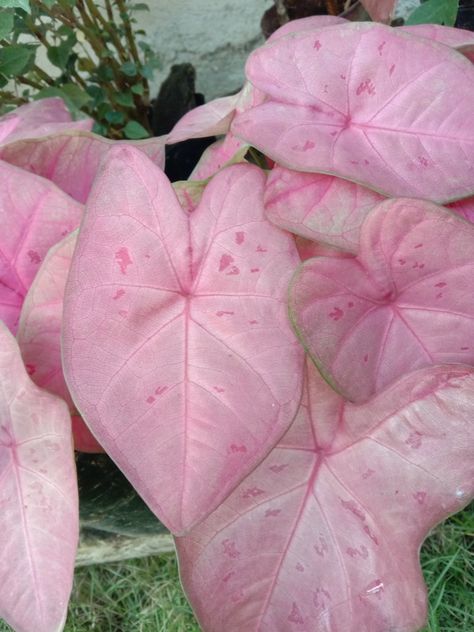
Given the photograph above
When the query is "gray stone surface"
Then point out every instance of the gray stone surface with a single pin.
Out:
(216, 36)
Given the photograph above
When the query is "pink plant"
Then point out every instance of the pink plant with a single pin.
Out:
(297, 504)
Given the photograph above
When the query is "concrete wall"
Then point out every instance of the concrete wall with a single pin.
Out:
(216, 36)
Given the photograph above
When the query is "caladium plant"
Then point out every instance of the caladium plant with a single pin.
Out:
(297, 503)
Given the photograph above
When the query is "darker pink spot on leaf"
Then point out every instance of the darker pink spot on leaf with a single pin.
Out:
(366, 86)
(160, 390)
(34, 256)
(237, 448)
(321, 548)
(118, 294)
(30, 368)
(278, 468)
(239, 238)
(123, 259)
(295, 615)
(414, 440)
(218, 389)
(261, 248)
(320, 597)
(150, 399)
(224, 313)
(230, 549)
(272, 513)
(317, 45)
(336, 314)
(441, 284)
(392, 68)
(225, 262)
(352, 507)
(254, 269)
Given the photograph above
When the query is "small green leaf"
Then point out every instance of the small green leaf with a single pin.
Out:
(100, 129)
(140, 6)
(129, 68)
(3, 81)
(97, 95)
(49, 3)
(15, 59)
(16, 4)
(135, 131)
(74, 97)
(138, 88)
(6, 22)
(124, 99)
(114, 117)
(147, 71)
(435, 12)
(58, 56)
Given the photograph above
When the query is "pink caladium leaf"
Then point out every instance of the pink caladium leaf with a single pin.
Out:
(39, 333)
(402, 128)
(325, 533)
(405, 302)
(38, 495)
(172, 324)
(71, 159)
(222, 153)
(210, 119)
(379, 10)
(34, 215)
(319, 207)
(40, 118)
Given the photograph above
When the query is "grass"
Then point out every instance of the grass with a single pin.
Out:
(145, 595)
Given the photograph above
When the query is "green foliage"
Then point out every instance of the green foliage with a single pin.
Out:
(101, 67)
(134, 131)
(6, 22)
(16, 4)
(435, 12)
(15, 59)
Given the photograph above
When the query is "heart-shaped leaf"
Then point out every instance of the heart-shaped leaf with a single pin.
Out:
(38, 496)
(39, 118)
(34, 215)
(177, 347)
(319, 207)
(210, 119)
(39, 333)
(368, 103)
(71, 159)
(405, 302)
(325, 533)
